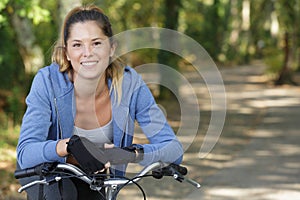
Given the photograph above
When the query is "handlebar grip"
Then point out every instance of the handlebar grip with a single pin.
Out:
(22, 173)
(41, 169)
(182, 170)
(169, 170)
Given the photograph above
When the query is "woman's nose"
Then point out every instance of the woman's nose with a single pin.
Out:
(87, 50)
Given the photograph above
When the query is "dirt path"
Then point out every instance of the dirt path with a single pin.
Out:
(268, 167)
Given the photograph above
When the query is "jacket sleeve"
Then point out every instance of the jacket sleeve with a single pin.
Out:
(164, 145)
(33, 145)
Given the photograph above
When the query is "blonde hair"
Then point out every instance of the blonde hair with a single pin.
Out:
(89, 13)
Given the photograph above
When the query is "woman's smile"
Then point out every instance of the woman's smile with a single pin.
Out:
(89, 64)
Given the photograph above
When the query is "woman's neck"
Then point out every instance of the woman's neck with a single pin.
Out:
(87, 88)
(93, 107)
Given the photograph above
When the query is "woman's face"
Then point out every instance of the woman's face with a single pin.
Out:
(88, 50)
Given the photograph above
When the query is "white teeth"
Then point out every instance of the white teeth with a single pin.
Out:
(89, 63)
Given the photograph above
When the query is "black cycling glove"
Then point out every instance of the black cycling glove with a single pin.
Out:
(92, 158)
(86, 153)
(124, 155)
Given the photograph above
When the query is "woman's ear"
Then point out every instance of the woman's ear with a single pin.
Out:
(68, 58)
(66, 53)
(112, 49)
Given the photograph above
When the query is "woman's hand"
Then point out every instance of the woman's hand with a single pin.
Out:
(61, 147)
(107, 165)
(108, 146)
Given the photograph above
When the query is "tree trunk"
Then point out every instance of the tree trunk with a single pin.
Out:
(246, 30)
(64, 7)
(235, 24)
(30, 52)
(171, 13)
(285, 75)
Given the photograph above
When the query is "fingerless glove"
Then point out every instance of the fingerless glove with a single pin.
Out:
(124, 155)
(92, 158)
(87, 154)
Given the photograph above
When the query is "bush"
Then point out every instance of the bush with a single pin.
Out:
(273, 58)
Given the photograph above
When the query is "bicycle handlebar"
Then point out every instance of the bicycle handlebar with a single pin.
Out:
(158, 169)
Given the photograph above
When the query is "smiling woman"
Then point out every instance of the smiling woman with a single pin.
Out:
(87, 94)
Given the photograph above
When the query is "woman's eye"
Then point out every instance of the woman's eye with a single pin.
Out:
(76, 45)
(97, 43)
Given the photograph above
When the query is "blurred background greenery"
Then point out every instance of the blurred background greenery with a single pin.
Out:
(234, 32)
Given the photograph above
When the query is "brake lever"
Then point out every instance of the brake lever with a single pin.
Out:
(192, 182)
(45, 181)
(24, 187)
(180, 178)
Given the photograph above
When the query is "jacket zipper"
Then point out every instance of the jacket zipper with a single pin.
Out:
(60, 134)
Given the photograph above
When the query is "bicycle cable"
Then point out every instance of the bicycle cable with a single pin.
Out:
(132, 180)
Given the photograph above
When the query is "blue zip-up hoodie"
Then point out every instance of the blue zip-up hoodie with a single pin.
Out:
(51, 111)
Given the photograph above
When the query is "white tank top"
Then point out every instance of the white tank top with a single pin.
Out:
(99, 136)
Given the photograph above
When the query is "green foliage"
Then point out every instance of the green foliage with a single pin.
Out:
(15, 104)
(11, 65)
(31, 9)
(8, 142)
(47, 31)
(8, 138)
(3, 4)
(274, 60)
(207, 22)
(14, 82)
(11, 75)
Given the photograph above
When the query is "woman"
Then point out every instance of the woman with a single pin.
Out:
(87, 92)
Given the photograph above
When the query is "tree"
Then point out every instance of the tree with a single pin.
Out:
(63, 7)
(171, 12)
(277, 26)
(23, 15)
(23, 51)
(289, 19)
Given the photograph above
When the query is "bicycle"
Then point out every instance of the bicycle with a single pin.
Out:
(57, 171)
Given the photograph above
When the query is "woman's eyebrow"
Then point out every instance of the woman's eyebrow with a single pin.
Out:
(94, 39)
(99, 38)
